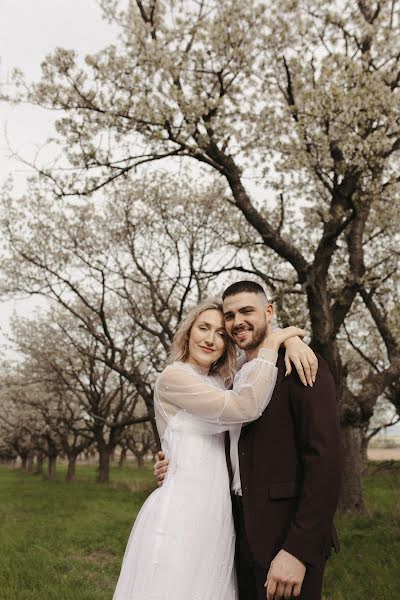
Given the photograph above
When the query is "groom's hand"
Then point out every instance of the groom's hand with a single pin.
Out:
(160, 468)
(285, 577)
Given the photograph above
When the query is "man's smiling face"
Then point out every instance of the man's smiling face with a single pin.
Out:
(248, 319)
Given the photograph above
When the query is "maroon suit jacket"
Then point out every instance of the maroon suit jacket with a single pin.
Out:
(290, 466)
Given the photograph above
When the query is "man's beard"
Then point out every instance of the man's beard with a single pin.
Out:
(258, 336)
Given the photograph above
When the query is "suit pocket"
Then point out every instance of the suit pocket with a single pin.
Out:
(284, 489)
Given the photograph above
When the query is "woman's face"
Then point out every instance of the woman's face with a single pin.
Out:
(207, 339)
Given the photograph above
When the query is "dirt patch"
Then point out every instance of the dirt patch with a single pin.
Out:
(99, 556)
(384, 453)
(133, 486)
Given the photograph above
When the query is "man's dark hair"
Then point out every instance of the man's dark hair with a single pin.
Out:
(241, 287)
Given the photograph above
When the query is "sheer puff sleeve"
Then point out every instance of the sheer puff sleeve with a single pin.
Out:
(253, 385)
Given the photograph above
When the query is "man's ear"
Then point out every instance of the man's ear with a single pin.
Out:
(269, 312)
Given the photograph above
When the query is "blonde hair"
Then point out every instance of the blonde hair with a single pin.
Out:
(225, 366)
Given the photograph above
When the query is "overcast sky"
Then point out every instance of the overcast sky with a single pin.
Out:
(29, 30)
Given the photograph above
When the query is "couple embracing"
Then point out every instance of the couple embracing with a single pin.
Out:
(249, 476)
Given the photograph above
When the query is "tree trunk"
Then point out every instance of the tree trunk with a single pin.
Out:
(103, 474)
(352, 493)
(24, 460)
(140, 461)
(39, 463)
(52, 466)
(29, 463)
(70, 476)
(364, 448)
(122, 458)
(155, 431)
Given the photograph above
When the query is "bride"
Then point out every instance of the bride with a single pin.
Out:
(182, 544)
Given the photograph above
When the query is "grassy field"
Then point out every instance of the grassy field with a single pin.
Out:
(62, 541)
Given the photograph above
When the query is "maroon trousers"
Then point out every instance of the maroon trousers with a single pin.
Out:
(251, 576)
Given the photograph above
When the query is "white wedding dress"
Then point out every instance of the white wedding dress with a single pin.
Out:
(182, 544)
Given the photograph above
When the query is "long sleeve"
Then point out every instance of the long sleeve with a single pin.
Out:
(315, 413)
(181, 386)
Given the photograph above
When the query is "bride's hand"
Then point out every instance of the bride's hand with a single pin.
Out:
(303, 358)
(275, 338)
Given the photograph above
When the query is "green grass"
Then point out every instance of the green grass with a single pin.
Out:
(62, 541)
(368, 565)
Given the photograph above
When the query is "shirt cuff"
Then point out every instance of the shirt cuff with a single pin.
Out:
(269, 355)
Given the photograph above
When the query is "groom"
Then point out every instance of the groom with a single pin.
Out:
(285, 470)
